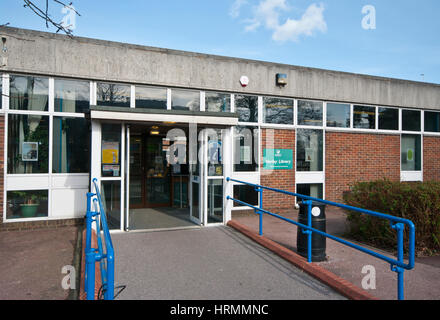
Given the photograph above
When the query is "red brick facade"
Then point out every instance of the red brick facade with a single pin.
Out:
(431, 158)
(352, 157)
(280, 179)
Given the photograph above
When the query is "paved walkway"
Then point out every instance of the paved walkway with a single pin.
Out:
(421, 283)
(209, 263)
(31, 263)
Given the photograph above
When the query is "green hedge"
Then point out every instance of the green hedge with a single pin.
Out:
(416, 201)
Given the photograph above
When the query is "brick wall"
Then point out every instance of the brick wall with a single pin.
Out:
(431, 158)
(280, 179)
(352, 157)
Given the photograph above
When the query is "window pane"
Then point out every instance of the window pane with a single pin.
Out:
(185, 100)
(215, 200)
(247, 108)
(338, 115)
(309, 155)
(311, 190)
(364, 117)
(27, 204)
(277, 110)
(215, 161)
(388, 119)
(71, 140)
(246, 148)
(110, 150)
(151, 97)
(411, 152)
(28, 93)
(1, 91)
(309, 113)
(111, 198)
(411, 120)
(217, 102)
(195, 209)
(72, 96)
(28, 144)
(113, 95)
(246, 194)
(432, 121)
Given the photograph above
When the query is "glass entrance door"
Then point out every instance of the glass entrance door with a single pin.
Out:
(196, 177)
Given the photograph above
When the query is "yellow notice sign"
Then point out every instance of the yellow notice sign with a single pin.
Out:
(110, 152)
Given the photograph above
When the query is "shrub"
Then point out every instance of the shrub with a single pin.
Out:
(415, 201)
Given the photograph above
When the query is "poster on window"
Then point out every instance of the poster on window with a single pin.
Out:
(410, 155)
(309, 155)
(29, 151)
(110, 152)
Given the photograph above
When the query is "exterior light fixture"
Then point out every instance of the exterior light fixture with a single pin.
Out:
(281, 79)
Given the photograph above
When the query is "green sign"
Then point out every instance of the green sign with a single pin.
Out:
(278, 159)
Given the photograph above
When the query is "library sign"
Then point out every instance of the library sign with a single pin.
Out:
(278, 159)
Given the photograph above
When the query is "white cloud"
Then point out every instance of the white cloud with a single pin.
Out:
(312, 21)
(267, 14)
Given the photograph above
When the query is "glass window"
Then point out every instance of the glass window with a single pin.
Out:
(364, 117)
(113, 95)
(312, 190)
(338, 115)
(195, 208)
(111, 195)
(215, 162)
(28, 144)
(71, 140)
(110, 150)
(247, 108)
(26, 204)
(185, 100)
(217, 102)
(411, 120)
(432, 121)
(388, 119)
(1, 91)
(309, 113)
(151, 97)
(246, 194)
(215, 201)
(411, 152)
(72, 95)
(277, 110)
(246, 148)
(309, 150)
(28, 93)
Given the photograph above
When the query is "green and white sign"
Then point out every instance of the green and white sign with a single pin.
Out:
(278, 159)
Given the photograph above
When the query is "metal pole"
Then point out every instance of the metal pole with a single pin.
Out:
(88, 234)
(261, 212)
(400, 227)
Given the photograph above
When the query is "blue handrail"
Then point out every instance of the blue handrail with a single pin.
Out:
(105, 257)
(397, 223)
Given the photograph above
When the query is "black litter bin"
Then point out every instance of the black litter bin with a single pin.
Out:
(318, 222)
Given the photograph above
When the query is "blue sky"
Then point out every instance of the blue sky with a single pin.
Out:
(324, 34)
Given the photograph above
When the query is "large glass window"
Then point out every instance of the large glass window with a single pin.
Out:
(310, 113)
(432, 121)
(111, 150)
(27, 204)
(185, 100)
(338, 115)
(276, 110)
(217, 102)
(28, 93)
(215, 161)
(247, 108)
(246, 148)
(113, 95)
(309, 150)
(411, 120)
(72, 95)
(364, 117)
(28, 144)
(246, 194)
(388, 119)
(151, 97)
(71, 140)
(312, 190)
(411, 159)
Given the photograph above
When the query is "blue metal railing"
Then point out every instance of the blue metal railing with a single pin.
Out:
(104, 253)
(396, 223)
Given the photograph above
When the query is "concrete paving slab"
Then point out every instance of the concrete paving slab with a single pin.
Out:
(216, 263)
